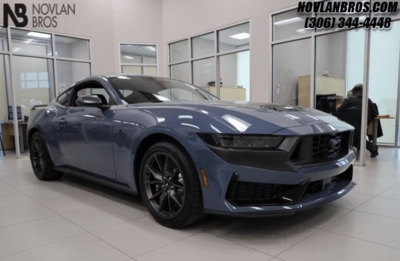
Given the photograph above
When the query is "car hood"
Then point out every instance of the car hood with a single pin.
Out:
(252, 117)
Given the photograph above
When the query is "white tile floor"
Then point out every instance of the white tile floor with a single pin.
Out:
(74, 219)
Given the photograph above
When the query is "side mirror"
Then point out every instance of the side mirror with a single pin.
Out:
(89, 101)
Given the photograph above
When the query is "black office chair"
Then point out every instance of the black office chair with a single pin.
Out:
(352, 117)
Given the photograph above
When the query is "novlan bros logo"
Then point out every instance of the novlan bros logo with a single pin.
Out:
(20, 12)
(43, 15)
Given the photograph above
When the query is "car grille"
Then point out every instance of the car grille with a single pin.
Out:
(254, 193)
(326, 146)
(321, 148)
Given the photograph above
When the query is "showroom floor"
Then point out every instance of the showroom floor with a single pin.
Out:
(74, 219)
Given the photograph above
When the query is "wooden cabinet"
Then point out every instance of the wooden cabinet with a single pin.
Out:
(323, 85)
(228, 93)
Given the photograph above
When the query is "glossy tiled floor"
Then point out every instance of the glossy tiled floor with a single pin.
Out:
(73, 219)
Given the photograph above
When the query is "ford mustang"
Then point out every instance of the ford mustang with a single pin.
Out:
(187, 153)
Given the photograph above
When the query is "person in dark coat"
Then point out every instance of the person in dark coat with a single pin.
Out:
(353, 104)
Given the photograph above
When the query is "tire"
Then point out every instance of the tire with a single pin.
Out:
(170, 185)
(42, 164)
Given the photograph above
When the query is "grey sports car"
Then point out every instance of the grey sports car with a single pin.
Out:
(188, 153)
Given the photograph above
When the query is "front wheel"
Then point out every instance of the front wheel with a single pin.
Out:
(42, 164)
(170, 185)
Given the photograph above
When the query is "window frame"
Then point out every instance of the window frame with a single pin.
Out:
(215, 55)
(141, 65)
(86, 85)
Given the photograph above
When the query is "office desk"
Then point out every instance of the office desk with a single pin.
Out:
(7, 130)
(375, 128)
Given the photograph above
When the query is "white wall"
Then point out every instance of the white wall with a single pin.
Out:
(183, 18)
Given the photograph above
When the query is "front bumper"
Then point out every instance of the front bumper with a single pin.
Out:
(222, 205)
(305, 203)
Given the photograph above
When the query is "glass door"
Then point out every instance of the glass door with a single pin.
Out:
(384, 80)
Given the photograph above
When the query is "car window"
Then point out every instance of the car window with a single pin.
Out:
(64, 98)
(93, 89)
(141, 89)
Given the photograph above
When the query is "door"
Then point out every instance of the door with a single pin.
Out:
(85, 133)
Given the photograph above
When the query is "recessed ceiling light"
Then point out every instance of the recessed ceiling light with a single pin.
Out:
(28, 41)
(240, 36)
(289, 21)
(129, 57)
(151, 48)
(16, 49)
(304, 30)
(35, 34)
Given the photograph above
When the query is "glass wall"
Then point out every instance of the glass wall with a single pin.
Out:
(320, 68)
(195, 60)
(33, 82)
(42, 64)
(31, 43)
(73, 48)
(289, 24)
(181, 72)
(70, 72)
(138, 59)
(384, 79)
(291, 73)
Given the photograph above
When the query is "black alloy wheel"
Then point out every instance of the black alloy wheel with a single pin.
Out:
(42, 164)
(164, 185)
(170, 185)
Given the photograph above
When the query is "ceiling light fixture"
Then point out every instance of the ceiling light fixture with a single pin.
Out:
(304, 30)
(151, 48)
(35, 34)
(129, 57)
(16, 49)
(240, 36)
(289, 21)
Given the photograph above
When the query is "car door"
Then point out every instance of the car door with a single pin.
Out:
(86, 133)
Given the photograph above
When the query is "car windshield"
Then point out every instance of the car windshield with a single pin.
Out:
(139, 89)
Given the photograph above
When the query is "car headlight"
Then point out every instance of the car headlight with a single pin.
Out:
(241, 141)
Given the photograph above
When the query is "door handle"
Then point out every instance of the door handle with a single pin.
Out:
(62, 122)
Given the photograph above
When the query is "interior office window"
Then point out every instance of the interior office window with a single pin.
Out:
(203, 45)
(384, 78)
(204, 74)
(289, 24)
(32, 80)
(69, 72)
(181, 72)
(179, 51)
(39, 87)
(3, 39)
(138, 59)
(29, 42)
(232, 38)
(200, 67)
(70, 47)
(291, 73)
(235, 76)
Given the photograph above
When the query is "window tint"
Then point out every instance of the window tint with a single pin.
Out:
(139, 89)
